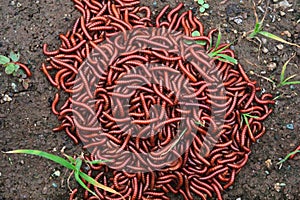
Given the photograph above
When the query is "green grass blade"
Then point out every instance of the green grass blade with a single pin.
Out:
(99, 185)
(199, 123)
(96, 162)
(43, 154)
(290, 83)
(76, 174)
(219, 39)
(174, 143)
(247, 124)
(251, 116)
(289, 78)
(227, 58)
(257, 28)
(275, 37)
(288, 156)
(70, 158)
(214, 53)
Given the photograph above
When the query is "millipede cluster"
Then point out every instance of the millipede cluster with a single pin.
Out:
(145, 96)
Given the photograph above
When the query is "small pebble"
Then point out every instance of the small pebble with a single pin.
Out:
(154, 3)
(14, 87)
(225, 25)
(287, 33)
(239, 198)
(238, 20)
(264, 40)
(56, 173)
(232, 47)
(267, 172)
(45, 190)
(290, 126)
(19, 5)
(7, 98)
(263, 72)
(271, 66)
(281, 13)
(54, 185)
(292, 87)
(265, 50)
(279, 46)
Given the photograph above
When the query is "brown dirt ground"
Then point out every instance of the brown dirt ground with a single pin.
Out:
(27, 121)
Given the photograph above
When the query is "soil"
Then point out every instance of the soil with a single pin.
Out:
(27, 121)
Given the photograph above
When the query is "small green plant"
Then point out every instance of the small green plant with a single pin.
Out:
(10, 63)
(245, 117)
(218, 53)
(282, 80)
(288, 156)
(258, 29)
(203, 5)
(286, 81)
(74, 165)
(197, 34)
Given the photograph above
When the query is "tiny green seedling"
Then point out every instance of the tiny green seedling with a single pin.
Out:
(218, 53)
(258, 29)
(282, 80)
(286, 81)
(10, 64)
(203, 6)
(195, 34)
(288, 156)
(74, 165)
(245, 117)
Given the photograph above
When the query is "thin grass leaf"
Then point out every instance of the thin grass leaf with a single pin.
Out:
(291, 83)
(275, 37)
(96, 162)
(251, 116)
(245, 116)
(289, 78)
(219, 39)
(227, 58)
(214, 53)
(247, 124)
(288, 156)
(70, 158)
(174, 143)
(43, 154)
(4, 60)
(257, 28)
(99, 185)
(76, 174)
(199, 123)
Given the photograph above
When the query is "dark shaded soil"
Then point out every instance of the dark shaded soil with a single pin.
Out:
(27, 121)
